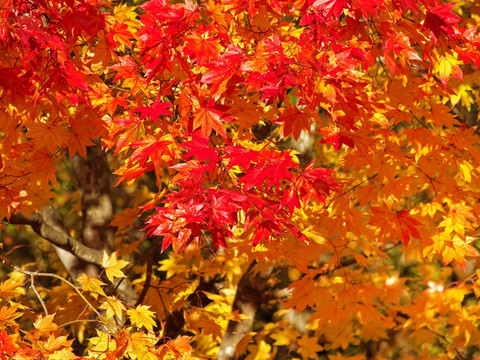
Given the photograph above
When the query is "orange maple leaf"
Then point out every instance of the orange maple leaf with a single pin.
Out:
(210, 117)
(79, 138)
(49, 134)
(400, 224)
(295, 120)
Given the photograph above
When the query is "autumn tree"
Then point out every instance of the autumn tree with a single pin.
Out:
(239, 179)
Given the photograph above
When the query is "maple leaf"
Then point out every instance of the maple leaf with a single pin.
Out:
(112, 266)
(295, 121)
(316, 182)
(241, 347)
(402, 224)
(441, 20)
(8, 288)
(457, 250)
(210, 117)
(103, 53)
(447, 66)
(271, 92)
(330, 7)
(274, 174)
(199, 319)
(102, 342)
(142, 317)
(201, 49)
(239, 156)
(407, 5)
(247, 113)
(368, 8)
(7, 346)
(92, 285)
(48, 134)
(75, 78)
(309, 347)
(199, 147)
(265, 229)
(45, 325)
(149, 147)
(222, 70)
(74, 71)
(155, 110)
(113, 307)
(336, 138)
(54, 343)
(79, 138)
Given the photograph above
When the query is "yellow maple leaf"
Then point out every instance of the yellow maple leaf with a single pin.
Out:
(92, 285)
(9, 288)
(431, 208)
(447, 66)
(63, 354)
(261, 350)
(465, 170)
(140, 346)
(113, 307)
(458, 219)
(45, 325)
(101, 343)
(56, 343)
(456, 250)
(8, 314)
(112, 266)
(142, 317)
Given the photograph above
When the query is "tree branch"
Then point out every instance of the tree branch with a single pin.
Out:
(247, 299)
(40, 225)
(346, 262)
(148, 277)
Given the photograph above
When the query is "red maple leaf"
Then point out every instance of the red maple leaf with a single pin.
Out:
(272, 91)
(336, 138)
(200, 49)
(149, 147)
(274, 173)
(441, 19)
(164, 12)
(330, 7)
(75, 78)
(223, 70)
(240, 156)
(7, 346)
(155, 110)
(199, 147)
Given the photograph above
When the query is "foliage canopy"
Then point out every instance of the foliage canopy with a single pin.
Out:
(256, 179)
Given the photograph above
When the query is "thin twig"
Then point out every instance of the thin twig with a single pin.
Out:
(341, 264)
(148, 278)
(65, 281)
(32, 285)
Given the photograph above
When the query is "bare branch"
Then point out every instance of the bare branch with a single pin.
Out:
(58, 238)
